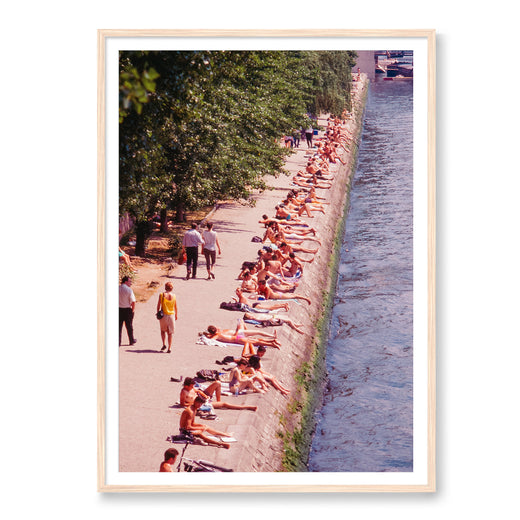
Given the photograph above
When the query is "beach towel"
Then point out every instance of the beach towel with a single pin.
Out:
(222, 439)
(204, 340)
(284, 300)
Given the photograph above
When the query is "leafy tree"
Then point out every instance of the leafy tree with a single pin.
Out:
(333, 80)
(200, 126)
(134, 88)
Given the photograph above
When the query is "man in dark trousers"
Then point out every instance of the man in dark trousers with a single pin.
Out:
(126, 309)
(191, 242)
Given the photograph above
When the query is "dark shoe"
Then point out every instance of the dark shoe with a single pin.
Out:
(188, 276)
(168, 352)
(133, 342)
(212, 276)
(163, 348)
(176, 379)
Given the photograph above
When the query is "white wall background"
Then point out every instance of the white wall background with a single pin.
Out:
(48, 261)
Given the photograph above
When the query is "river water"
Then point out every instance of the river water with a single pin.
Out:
(365, 423)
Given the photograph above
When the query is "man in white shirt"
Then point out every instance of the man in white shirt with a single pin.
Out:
(126, 309)
(190, 243)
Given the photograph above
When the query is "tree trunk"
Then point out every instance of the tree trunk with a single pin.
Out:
(180, 212)
(142, 230)
(164, 221)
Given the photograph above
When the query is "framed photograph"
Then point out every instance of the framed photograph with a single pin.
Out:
(272, 196)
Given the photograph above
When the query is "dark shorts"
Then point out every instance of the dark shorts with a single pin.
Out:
(211, 256)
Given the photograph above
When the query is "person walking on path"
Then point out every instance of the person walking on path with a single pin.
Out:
(211, 244)
(190, 244)
(168, 304)
(126, 309)
(309, 131)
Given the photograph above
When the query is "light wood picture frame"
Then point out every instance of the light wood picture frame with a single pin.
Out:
(422, 477)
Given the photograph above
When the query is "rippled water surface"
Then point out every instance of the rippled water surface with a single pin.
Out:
(365, 423)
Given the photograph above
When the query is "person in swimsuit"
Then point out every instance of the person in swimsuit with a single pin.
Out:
(239, 382)
(189, 393)
(254, 363)
(283, 214)
(285, 248)
(265, 291)
(261, 305)
(275, 279)
(272, 320)
(295, 265)
(296, 223)
(249, 283)
(126, 259)
(241, 335)
(281, 235)
(188, 426)
(170, 456)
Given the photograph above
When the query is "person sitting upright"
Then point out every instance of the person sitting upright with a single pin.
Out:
(188, 426)
(189, 393)
(239, 381)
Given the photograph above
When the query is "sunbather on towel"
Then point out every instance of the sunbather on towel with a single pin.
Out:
(189, 393)
(241, 335)
(239, 381)
(275, 280)
(188, 426)
(273, 320)
(266, 291)
(259, 305)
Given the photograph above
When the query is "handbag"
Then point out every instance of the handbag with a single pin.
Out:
(182, 257)
(160, 314)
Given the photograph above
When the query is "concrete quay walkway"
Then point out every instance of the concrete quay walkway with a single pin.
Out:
(147, 397)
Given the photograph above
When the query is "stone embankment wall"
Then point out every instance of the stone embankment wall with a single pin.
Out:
(318, 284)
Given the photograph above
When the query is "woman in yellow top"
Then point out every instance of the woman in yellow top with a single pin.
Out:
(168, 304)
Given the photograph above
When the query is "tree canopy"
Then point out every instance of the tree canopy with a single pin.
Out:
(201, 126)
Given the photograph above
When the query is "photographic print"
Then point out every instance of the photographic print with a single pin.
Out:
(272, 198)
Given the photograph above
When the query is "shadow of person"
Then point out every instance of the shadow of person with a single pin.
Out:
(146, 351)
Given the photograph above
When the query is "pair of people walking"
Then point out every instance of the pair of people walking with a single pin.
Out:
(209, 242)
(167, 304)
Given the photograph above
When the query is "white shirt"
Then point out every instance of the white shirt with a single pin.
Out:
(192, 238)
(126, 296)
(210, 240)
